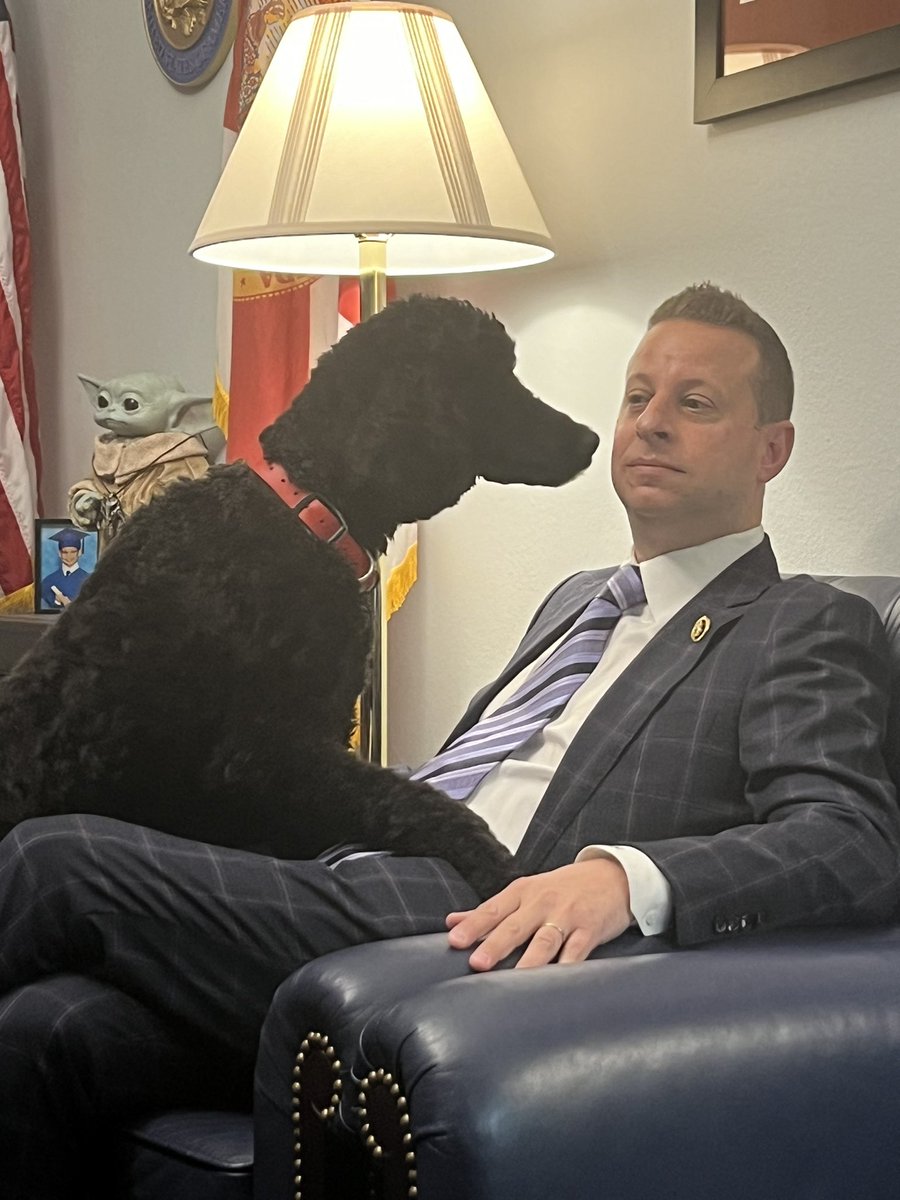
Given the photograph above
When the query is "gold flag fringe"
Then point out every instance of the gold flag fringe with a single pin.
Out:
(400, 581)
(220, 405)
(21, 601)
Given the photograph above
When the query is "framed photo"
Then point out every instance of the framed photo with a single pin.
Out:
(64, 557)
(750, 53)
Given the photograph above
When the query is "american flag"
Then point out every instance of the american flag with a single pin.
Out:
(20, 458)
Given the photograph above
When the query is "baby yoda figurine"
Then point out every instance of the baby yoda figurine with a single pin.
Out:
(155, 432)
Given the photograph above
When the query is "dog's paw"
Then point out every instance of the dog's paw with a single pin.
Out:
(485, 864)
(489, 878)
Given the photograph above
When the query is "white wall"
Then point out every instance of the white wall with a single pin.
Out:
(796, 208)
(120, 168)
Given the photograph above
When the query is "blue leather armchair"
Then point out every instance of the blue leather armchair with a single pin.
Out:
(759, 1068)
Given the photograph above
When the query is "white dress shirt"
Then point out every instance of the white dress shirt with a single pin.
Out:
(508, 796)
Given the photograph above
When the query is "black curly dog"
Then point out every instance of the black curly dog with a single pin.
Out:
(204, 681)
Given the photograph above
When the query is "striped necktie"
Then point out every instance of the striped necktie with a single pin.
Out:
(541, 697)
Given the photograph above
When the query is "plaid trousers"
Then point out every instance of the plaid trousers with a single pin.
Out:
(136, 969)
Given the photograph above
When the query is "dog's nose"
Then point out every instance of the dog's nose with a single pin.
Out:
(572, 456)
(589, 443)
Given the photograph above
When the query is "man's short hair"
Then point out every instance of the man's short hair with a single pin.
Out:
(773, 384)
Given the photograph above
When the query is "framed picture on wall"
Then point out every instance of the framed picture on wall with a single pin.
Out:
(751, 53)
(64, 558)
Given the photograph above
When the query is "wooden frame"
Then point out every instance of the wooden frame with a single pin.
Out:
(717, 95)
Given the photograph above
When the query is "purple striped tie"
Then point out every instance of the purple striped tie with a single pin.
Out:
(541, 697)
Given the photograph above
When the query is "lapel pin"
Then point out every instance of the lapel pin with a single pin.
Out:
(701, 628)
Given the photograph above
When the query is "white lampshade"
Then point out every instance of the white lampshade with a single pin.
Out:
(372, 120)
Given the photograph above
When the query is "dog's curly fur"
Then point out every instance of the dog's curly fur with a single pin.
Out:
(204, 681)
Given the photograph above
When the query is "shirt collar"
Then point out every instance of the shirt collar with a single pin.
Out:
(671, 580)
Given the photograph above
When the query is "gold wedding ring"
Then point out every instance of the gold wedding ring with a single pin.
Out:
(551, 925)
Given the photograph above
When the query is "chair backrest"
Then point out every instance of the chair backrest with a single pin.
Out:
(882, 591)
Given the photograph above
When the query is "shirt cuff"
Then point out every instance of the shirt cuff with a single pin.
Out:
(649, 891)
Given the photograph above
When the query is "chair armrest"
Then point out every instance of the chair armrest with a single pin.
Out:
(768, 1067)
(325, 1004)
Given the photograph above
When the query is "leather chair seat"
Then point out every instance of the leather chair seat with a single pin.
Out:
(187, 1155)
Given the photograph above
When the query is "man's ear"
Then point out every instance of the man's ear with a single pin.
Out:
(778, 444)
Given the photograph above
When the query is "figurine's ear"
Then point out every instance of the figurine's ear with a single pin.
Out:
(91, 386)
(191, 413)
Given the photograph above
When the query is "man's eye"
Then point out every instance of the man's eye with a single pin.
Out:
(635, 400)
(696, 403)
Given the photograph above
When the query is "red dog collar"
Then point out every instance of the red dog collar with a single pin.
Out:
(324, 521)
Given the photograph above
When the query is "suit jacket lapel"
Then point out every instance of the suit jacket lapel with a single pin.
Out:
(619, 717)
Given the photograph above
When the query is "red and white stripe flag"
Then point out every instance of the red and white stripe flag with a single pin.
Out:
(20, 458)
(272, 328)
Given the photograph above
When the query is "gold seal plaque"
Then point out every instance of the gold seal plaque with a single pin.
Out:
(190, 39)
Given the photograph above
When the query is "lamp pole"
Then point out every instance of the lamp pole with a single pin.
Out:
(373, 701)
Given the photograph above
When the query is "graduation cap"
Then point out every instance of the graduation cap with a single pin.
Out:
(69, 537)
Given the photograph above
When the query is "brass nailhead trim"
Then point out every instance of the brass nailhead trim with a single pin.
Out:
(313, 1042)
(381, 1077)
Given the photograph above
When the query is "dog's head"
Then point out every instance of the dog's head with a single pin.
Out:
(402, 416)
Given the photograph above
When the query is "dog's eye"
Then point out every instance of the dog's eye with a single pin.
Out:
(131, 404)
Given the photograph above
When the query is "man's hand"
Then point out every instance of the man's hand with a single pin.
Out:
(562, 914)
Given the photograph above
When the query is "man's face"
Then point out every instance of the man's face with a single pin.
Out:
(69, 555)
(690, 460)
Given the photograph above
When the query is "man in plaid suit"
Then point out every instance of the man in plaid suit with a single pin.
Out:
(721, 770)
